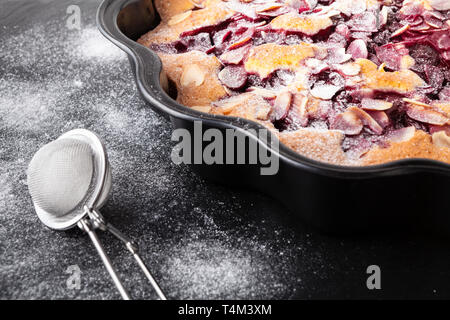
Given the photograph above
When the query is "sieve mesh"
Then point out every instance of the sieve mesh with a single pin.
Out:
(60, 175)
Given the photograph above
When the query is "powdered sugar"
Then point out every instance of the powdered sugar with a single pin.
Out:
(197, 238)
(92, 45)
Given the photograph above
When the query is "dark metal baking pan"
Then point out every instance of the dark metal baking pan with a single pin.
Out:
(408, 193)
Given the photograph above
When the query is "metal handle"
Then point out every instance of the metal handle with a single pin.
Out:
(99, 222)
(86, 226)
(134, 251)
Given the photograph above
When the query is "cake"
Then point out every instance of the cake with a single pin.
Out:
(346, 82)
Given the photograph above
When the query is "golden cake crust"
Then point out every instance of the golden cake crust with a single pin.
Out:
(175, 19)
(419, 146)
(318, 145)
(196, 82)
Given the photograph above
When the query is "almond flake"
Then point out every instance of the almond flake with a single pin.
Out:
(281, 105)
(266, 93)
(348, 122)
(366, 119)
(441, 139)
(192, 74)
(418, 103)
(373, 104)
(431, 24)
(179, 17)
(426, 115)
(441, 5)
(198, 3)
(384, 15)
(348, 69)
(239, 43)
(325, 91)
(400, 31)
(270, 7)
(332, 13)
(401, 135)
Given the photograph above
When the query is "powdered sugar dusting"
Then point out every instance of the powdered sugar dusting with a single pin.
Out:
(197, 238)
(93, 45)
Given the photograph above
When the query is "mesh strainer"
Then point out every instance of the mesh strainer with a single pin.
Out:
(69, 180)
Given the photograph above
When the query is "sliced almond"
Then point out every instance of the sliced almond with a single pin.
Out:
(281, 105)
(262, 111)
(439, 15)
(441, 139)
(234, 77)
(417, 103)
(401, 135)
(348, 122)
(239, 43)
(373, 104)
(332, 13)
(358, 49)
(400, 31)
(270, 7)
(179, 17)
(380, 117)
(299, 109)
(192, 74)
(316, 65)
(339, 56)
(441, 5)
(433, 25)
(426, 115)
(229, 104)
(234, 56)
(266, 93)
(367, 120)
(348, 69)
(422, 28)
(198, 3)
(384, 15)
(381, 67)
(228, 91)
(325, 91)
(260, 24)
(205, 109)
(228, 108)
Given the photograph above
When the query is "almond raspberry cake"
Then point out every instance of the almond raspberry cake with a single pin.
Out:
(345, 82)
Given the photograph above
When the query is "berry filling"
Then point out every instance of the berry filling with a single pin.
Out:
(401, 51)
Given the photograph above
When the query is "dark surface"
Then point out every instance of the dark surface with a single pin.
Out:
(201, 240)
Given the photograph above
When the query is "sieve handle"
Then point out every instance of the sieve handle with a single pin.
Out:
(134, 251)
(86, 226)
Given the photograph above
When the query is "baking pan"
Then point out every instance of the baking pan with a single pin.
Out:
(401, 195)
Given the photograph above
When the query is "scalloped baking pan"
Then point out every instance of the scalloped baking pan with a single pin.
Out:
(406, 194)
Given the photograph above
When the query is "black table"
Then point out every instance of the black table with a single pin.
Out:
(200, 239)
